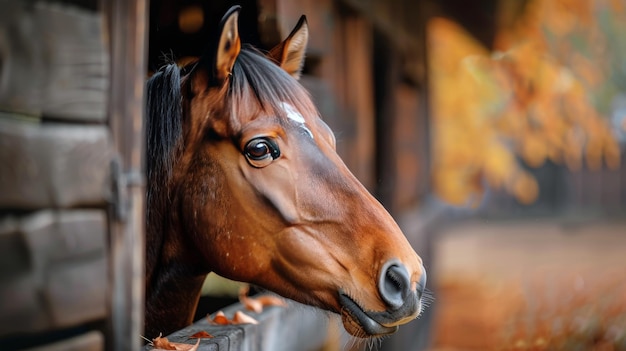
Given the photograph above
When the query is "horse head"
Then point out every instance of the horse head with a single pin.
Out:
(252, 188)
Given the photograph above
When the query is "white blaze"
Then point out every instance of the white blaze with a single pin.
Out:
(295, 116)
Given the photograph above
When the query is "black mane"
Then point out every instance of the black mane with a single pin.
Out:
(164, 124)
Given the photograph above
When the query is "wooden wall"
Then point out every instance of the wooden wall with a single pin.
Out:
(55, 153)
(71, 184)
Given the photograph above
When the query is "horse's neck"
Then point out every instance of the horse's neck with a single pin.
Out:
(173, 280)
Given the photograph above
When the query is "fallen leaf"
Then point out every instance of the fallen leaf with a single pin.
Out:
(187, 347)
(219, 318)
(271, 300)
(249, 303)
(256, 304)
(242, 318)
(162, 344)
(201, 334)
(252, 305)
(238, 318)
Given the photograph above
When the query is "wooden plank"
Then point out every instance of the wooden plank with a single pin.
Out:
(127, 21)
(54, 237)
(53, 61)
(279, 329)
(76, 293)
(53, 270)
(52, 165)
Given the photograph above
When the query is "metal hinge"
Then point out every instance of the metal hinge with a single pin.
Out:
(120, 200)
(121, 183)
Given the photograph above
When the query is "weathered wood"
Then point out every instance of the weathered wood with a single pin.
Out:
(53, 165)
(53, 270)
(279, 329)
(56, 236)
(53, 61)
(127, 21)
(77, 293)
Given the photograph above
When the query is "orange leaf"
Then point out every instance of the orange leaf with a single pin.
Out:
(219, 318)
(238, 318)
(256, 304)
(161, 344)
(271, 300)
(201, 334)
(187, 347)
(250, 304)
(242, 318)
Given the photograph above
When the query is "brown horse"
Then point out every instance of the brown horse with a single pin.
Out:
(244, 180)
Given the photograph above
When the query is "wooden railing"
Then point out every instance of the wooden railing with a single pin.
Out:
(290, 328)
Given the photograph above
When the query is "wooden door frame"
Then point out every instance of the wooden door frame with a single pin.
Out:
(128, 24)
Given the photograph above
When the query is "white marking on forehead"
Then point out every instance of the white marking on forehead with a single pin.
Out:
(292, 113)
(296, 116)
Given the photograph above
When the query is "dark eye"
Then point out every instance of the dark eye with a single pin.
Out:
(260, 152)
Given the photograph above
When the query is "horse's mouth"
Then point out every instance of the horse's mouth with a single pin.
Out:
(358, 323)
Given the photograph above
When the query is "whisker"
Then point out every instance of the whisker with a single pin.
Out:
(428, 296)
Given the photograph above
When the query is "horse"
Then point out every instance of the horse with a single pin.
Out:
(243, 179)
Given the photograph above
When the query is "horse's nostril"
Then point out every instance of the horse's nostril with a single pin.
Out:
(394, 284)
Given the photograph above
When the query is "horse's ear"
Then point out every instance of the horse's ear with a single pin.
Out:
(290, 53)
(229, 44)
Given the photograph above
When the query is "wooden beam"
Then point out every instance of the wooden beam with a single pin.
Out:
(127, 21)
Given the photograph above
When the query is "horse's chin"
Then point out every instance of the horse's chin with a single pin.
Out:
(358, 323)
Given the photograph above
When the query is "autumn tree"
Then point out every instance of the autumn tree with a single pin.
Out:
(545, 93)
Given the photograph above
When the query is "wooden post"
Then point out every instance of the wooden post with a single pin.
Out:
(127, 21)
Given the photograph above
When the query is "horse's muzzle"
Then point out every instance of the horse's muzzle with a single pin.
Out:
(401, 296)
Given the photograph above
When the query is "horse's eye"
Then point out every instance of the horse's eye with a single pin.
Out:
(260, 152)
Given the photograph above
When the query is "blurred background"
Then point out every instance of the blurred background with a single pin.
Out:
(494, 131)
